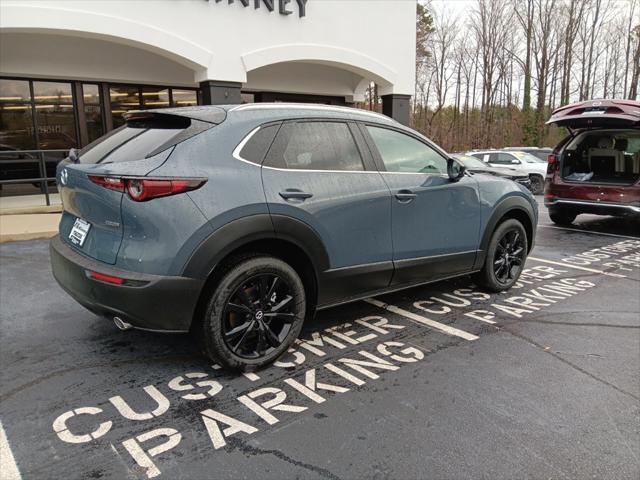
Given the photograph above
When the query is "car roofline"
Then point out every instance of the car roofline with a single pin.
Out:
(307, 106)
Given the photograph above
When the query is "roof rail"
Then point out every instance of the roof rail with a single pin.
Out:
(309, 106)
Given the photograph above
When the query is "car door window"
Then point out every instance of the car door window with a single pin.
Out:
(402, 153)
(506, 158)
(315, 146)
(500, 158)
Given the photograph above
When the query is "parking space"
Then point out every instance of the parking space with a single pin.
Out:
(440, 381)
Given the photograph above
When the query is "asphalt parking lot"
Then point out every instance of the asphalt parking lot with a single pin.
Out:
(442, 381)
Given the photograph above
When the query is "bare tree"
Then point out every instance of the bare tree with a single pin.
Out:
(633, 6)
(441, 48)
(490, 22)
(493, 79)
(572, 14)
(635, 75)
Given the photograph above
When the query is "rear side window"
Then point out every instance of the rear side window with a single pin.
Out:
(257, 146)
(315, 146)
(136, 140)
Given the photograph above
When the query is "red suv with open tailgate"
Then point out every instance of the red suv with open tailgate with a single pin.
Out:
(596, 168)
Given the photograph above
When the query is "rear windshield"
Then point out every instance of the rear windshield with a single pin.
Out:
(133, 141)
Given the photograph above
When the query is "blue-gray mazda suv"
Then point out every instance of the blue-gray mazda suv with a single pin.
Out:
(238, 222)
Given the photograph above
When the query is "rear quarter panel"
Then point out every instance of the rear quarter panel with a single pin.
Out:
(233, 189)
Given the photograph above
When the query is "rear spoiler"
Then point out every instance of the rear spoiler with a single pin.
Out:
(178, 119)
(206, 113)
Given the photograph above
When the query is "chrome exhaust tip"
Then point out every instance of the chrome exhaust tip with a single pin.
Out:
(121, 324)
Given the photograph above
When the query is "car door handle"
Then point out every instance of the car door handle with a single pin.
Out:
(295, 194)
(405, 196)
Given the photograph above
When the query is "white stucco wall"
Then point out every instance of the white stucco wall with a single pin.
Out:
(182, 42)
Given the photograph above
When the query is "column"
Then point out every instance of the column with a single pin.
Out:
(220, 93)
(397, 107)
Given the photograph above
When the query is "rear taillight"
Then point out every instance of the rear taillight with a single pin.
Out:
(112, 183)
(142, 189)
(552, 163)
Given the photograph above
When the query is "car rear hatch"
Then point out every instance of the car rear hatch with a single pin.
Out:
(87, 181)
(598, 114)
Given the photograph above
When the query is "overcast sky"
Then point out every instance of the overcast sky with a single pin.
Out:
(462, 8)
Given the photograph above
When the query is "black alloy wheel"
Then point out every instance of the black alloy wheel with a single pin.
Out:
(506, 255)
(509, 256)
(258, 316)
(255, 311)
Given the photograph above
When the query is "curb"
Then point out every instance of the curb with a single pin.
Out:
(14, 228)
(31, 210)
(19, 237)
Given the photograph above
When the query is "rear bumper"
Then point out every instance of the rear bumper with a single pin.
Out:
(158, 303)
(597, 208)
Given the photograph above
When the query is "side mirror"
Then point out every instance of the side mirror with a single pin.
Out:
(515, 162)
(455, 169)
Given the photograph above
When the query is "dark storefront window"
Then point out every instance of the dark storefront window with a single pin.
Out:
(123, 99)
(155, 97)
(126, 98)
(184, 98)
(16, 116)
(37, 114)
(54, 124)
(92, 111)
(55, 116)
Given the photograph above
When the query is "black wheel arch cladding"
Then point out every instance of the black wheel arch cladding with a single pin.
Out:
(513, 207)
(241, 232)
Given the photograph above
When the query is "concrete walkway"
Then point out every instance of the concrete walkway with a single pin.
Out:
(22, 204)
(28, 227)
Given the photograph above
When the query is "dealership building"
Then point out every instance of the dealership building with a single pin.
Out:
(70, 69)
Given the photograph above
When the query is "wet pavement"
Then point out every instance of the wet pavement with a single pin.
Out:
(440, 381)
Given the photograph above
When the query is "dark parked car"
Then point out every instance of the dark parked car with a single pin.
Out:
(238, 222)
(596, 168)
(473, 165)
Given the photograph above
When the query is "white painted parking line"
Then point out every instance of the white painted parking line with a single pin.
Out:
(251, 376)
(587, 231)
(423, 320)
(575, 267)
(8, 468)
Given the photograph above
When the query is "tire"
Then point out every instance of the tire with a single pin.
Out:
(509, 238)
(561, 217)
(537, 184)
(252, 318)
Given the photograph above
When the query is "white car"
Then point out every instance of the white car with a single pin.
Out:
(521, 161)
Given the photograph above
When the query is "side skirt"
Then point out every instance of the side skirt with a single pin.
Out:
(344, 285)
(394, 288)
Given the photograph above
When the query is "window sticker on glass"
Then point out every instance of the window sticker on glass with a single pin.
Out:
(79, 232)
